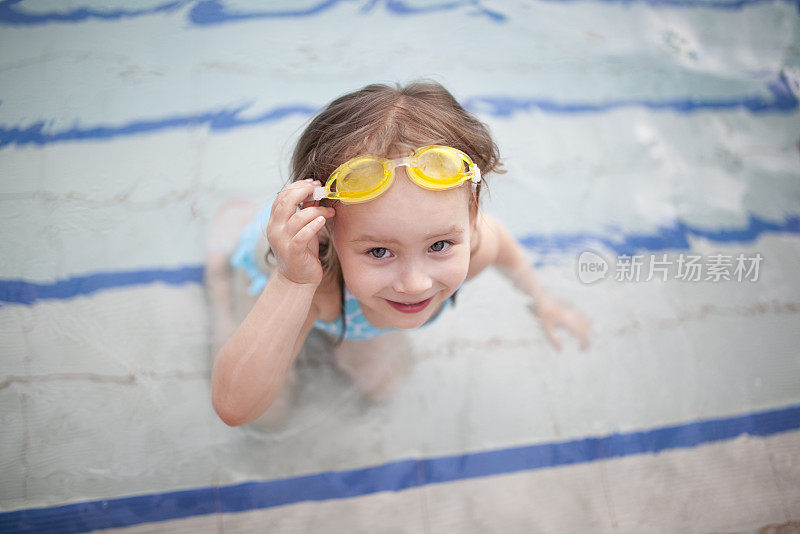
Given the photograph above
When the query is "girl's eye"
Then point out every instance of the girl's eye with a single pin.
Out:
(440, 246)
(377, 252)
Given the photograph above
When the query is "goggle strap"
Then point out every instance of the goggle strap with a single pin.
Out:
(476, 175)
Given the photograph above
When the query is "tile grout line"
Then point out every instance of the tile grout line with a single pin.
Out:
(124, 380)
(423, 499)
(25, 444)
(26, 327)
(607, 493)
(786, 514)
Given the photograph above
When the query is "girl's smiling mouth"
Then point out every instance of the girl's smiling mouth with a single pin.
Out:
(415, 307)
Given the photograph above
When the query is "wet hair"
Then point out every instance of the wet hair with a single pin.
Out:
(381, 120)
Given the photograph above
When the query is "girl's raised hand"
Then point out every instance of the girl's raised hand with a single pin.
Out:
(553, 314)
(292, 233)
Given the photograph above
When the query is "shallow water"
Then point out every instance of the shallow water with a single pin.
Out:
(631, 128)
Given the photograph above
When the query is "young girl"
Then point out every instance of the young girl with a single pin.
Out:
(377, 231)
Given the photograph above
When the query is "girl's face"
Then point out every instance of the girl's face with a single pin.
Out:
(408, 246)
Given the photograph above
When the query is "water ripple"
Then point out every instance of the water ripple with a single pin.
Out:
(672, 237)
(782, 100)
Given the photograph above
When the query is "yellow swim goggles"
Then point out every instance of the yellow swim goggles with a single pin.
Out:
(433, 167)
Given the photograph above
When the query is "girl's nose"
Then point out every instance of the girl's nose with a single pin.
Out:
(413, 280)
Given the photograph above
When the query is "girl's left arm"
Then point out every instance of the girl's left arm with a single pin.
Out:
(499, 248)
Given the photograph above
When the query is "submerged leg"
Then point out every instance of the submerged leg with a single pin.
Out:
(376, 366)
(280, 407)
(226, 301)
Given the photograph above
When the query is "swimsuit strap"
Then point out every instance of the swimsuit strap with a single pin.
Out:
(357, 325)
(243, 256)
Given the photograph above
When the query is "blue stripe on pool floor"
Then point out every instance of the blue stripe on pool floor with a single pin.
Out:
(24, 292)
(215, 12)
(394, 476)
(672, 237)
(781, 100)
(10, 13)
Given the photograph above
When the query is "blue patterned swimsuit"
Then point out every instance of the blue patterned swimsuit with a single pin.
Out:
(357, 325)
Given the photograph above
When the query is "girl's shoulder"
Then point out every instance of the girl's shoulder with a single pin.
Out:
(328, 299)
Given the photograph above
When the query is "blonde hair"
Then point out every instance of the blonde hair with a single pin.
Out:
(380, 119)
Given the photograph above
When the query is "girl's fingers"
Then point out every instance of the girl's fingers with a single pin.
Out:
(288, 199)
(574, 321)
(581, 332)
(580, 328)
(304, 216)
(307, 232)
(584, 341)
(309, 202)
(549, 331)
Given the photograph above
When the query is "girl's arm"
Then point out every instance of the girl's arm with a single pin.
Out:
(499, 248)
(252, 366)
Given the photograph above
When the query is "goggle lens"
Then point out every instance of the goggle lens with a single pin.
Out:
(439, 164)
(362, 175)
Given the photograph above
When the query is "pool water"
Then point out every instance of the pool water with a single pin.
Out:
(640, 139)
